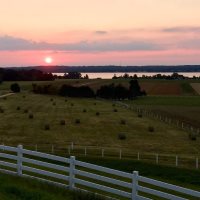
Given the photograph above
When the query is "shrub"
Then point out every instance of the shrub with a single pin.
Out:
(30, 116)
(115, 110)
(5, 98)
(140, 115)
(121, 136)
(113, 105)
(151, 129)
(123, 121)
(97, 113)
(192, 136)
(62, 122)
(51, 99)
(72, 104)
(46, 127)
(15, 87)
(24, 96)
(54, 103)
(26, 111)
(65, 100)
(84, 110)
(95, 104)
(77, 121)
(18, 107)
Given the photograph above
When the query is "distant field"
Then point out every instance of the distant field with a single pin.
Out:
(182, 108)
(196, 87)
(93, 130)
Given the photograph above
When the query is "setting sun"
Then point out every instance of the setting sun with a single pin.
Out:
(48, 60)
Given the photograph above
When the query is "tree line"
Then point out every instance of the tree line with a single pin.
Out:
(105, 91)
(24, 75)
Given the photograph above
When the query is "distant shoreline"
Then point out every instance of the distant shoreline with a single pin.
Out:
(114, 69)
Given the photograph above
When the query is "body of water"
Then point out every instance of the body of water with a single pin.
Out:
(109, 75)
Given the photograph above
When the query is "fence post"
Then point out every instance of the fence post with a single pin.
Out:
(138, 156)
(72, 145)
(197, 163)
(102, 153)
(69, 150)
(176, 161)
(120, 154)
(52, 149)
(85, 151)
(19, 160)
(134, 185)
(71, 172)
(156, 158)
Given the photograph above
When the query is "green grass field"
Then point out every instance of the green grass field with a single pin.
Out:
(12, 187)
(93, 130)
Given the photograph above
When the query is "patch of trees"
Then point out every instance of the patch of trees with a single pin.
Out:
(106, 91)
(71, 91)
(72, 75)
(173, 76)
(24, 75)
(120, 92)
(44, 89)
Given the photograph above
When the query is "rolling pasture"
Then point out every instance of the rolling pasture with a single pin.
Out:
(88, 122)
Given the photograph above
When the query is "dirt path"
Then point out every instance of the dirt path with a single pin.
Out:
(196, 87)
(5, 95)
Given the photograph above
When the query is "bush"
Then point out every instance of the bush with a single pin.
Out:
(62, 122)
(123, 121)
(18, 107)
(151, 129)
(140, 115)
(15, 87)
(5, 98)
(24, 96)
(54, 103)
(97, 113)
(30, 116)
(192, 136)
(46, 127)
(72, 104)
(113, 105)
(26, 111)
(77, 121)
(121, 136)
(65, 100)
(51, 99)
(95, 104)
(84, 110)
(115, 110)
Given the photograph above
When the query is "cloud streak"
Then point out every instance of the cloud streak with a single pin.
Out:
(9, 43)
(184, 29)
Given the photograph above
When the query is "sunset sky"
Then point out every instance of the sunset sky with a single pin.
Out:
(99, 32)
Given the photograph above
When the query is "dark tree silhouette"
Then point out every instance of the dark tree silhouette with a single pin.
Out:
(134, 89)
(15, 87)
(73, 75)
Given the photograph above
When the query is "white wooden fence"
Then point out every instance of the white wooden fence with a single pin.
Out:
(75, 174)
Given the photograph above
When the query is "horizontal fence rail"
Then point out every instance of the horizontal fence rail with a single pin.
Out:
(75, 174)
